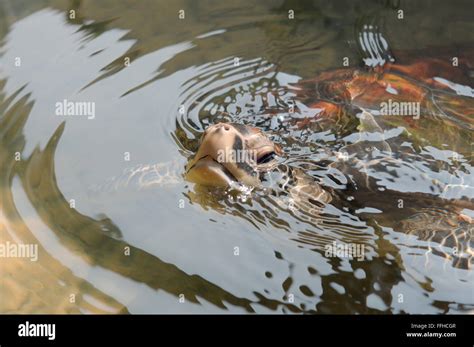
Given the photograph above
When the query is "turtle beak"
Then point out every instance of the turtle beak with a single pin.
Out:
(210, 168)
(207, 171)
(205, 168)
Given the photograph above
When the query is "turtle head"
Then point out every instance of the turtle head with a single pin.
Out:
(230, 152)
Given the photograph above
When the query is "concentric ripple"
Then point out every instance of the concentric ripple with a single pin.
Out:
(362, 207)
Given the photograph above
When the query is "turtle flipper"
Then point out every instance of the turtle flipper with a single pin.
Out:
(449, 235)
(368, 148)
(142, 177)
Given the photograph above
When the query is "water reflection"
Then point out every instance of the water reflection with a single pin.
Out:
(23, 282)
(198, 250)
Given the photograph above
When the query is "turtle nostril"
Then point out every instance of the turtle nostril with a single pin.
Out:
(226, 127)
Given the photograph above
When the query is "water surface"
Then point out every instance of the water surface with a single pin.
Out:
(161, 245)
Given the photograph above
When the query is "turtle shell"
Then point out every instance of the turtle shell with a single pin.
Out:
(439, 90)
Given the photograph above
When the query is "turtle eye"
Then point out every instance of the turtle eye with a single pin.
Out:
(266, 158)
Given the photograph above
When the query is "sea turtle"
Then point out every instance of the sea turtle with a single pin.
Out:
(359, 101)
(446, 228)
(240, 157)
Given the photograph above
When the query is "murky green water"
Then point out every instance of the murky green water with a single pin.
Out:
(112, 240)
